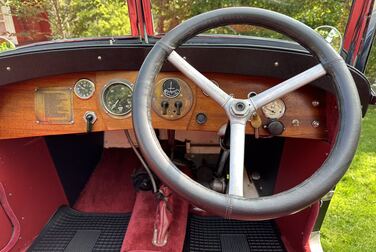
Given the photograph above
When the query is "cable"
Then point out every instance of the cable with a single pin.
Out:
(155, 190)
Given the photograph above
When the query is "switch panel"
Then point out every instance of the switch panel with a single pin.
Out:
(172, 98)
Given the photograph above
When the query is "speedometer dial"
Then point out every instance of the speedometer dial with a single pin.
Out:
(117, 98)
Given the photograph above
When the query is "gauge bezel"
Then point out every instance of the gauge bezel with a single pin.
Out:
(76, 86)
(107, 86)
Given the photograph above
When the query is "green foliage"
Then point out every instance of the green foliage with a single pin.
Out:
(5, 46)
(99, 18)
(371, 66)
(168, 14)
(76, 18)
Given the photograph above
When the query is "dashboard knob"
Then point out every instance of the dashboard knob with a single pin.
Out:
(201, 118)
(275, 128)
(178, 106)
(164, 105)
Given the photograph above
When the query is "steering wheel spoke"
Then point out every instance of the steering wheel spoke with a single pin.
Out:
(237, 143)
(216, 93)
(288, 86)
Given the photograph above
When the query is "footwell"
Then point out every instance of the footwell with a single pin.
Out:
(110, 188)
(71, 230)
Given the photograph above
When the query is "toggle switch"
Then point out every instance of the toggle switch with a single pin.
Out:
(164, 105)
(178, 106)
(90, 117)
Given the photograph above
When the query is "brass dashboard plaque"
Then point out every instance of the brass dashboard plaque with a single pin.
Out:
(54, 105)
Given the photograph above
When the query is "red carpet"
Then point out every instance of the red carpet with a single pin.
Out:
(110, 189)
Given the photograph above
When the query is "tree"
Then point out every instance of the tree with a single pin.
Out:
(76, 18)
(168, 14)
(99, 18)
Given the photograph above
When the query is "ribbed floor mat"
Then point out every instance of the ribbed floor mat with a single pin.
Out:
(218, 234)
(70, 230)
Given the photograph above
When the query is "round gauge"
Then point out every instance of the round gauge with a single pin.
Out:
(117, 98)
(84, 89)
(171, 88)
(275, 109)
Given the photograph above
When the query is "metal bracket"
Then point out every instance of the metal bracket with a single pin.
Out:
(328, 196)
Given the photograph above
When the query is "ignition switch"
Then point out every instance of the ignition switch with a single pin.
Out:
(90, 117)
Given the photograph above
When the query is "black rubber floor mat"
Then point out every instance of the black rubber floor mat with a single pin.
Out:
(70, 230)
(218, 234)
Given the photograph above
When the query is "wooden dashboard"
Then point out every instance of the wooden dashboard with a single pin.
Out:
(304, 116)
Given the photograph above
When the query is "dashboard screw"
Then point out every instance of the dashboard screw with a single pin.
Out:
(295, 123)
(276, 63)
(99, 58)
(9, 68)
(256, 175)
(315, 103)
(315, 124)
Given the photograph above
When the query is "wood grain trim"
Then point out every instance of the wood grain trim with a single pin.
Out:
(17, 116)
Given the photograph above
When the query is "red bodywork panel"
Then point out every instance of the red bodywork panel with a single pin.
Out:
(140, 17)
(356, 27)
(41, 29)
(32, 186)
(300, 159)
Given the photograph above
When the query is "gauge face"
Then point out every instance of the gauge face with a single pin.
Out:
(117, 98)
(171, 88)
(275, 109)
(84, 89)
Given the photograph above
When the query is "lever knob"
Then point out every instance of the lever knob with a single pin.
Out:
(178, 106)
(164, 105)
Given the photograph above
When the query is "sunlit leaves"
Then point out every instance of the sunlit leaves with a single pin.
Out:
(75, 18)
(168, 14)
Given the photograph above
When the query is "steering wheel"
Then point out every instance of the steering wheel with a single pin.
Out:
(233, 205)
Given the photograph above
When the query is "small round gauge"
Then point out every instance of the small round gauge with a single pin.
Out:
(275, 109)
(117, 98)
(84, 88)
(171, 88)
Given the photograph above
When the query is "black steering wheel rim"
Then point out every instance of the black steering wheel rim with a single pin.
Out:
(229, 206)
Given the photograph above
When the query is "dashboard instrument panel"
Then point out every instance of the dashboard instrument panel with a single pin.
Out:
(296, 111)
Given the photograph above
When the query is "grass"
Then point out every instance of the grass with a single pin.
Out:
(350, 224)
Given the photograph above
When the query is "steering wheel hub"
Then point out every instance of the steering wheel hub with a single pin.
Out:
(240, 108)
